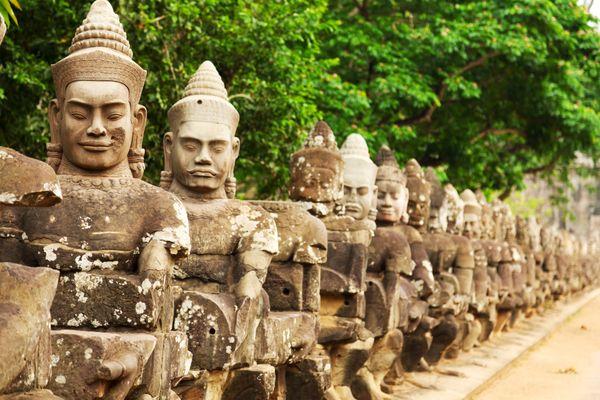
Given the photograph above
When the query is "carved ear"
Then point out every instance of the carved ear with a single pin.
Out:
(236, 147)
(168, 150)
(166, 176)
(140, 117)
(54, 119)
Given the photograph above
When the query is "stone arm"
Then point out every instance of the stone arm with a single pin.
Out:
(251, 273)
(155, 262)
(423, 269)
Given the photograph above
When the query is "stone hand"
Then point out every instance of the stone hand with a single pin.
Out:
(248, 286)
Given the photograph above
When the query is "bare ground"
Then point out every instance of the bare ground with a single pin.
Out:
(565, 366)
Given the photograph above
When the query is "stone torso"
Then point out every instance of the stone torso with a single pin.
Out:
(389, 251)
(441, 250)
(102, 223)
(220, 229)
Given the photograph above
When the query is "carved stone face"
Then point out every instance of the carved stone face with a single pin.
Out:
(95, 123)
(438, 218)
(472, 226)
(202, 155)
(418, 209)
(358, 192)
(392, 198)
(357, 200)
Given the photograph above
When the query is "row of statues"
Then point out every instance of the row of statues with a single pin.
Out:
(112, 288)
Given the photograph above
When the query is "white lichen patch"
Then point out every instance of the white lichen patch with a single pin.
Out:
(86, 281)
(54, 359)
(49, 250)
(60, 379)
(4, 155)
(85, 223)
(140, 307)
(8, 198)
(78, 320)
(84, 263)
(145, 286)
(87, 353)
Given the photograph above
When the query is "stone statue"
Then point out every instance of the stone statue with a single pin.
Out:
(317, 182)
(25, 293)
(317, 173)
(543, 284)
(393, 304)
(222, 301)
(384, 291)
(523, 235)
(448, 250)
(114, 238)
(483, 306)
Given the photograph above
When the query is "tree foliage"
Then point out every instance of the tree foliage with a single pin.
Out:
(486, 90)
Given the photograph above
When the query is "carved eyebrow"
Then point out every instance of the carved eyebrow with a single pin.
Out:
(83, 103)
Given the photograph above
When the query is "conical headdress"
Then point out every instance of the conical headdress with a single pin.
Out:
(413, 169)
(100, 51)
(437, 191)
(388, 166)
(415, 181)
(472, 206)
(356, 152)
(319, 151)
(204, 100)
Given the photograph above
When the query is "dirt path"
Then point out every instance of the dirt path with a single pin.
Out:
(564, 367)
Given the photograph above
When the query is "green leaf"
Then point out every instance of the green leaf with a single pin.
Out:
(16, 4)
(8, 8)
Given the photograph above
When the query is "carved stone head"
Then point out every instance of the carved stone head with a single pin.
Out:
(487, 217)
(509, 222)
(546, 237)
(438, 210)
(522, 230)
(472, 215)
(456, 210)
(359, 177)
(419, 195)
(201, 149)
(96, 121)
(317, 168)
(534, 229)
(498, 216)
(392, 195)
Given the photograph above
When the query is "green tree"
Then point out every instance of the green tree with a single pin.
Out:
(487, 90)
(266, 52)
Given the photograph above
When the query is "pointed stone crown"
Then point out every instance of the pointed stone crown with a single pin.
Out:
(413, 168)
(437, 191)
(416, 182)
(472, 206)
(355, 152)
(319, 150)
(204, 100)
(321, 136)
(100, 51)
(388, 166)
